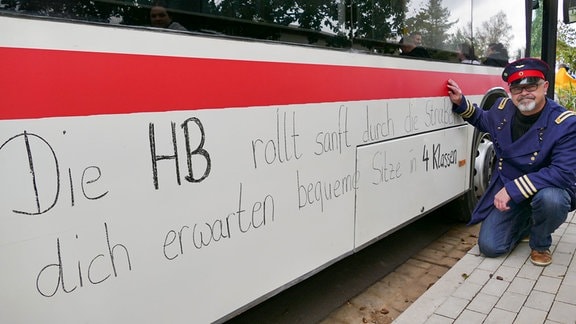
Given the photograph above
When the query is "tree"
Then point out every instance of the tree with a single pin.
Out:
(494, 30)
(461, 36)
(432, 20)
(84, 10)
(536, 38)
(380, 19)
(565, 51)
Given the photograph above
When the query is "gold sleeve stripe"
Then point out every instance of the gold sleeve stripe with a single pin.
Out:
(518, 184)
(469, 110)
(530, 184)
(503, 103)
(525, 186)
(564, 115)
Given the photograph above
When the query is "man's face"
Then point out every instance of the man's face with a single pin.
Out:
(529, 98)
(159, 17)
(417, 39)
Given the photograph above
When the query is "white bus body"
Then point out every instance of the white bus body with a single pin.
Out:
(164, 177)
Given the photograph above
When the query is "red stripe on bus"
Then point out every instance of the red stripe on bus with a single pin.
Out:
(51, 83)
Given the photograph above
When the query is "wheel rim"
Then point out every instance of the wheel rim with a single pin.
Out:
(483, 164)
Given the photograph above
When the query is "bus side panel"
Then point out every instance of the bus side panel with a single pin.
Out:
(407, 177)
(191, 214)
(242, 211)
(185, 212)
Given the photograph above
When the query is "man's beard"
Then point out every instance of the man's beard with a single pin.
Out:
(524, 106)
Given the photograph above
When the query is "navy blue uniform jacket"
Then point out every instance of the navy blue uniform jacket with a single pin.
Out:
(543, 157)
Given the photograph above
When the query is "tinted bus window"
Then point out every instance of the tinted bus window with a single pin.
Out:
(488, 31)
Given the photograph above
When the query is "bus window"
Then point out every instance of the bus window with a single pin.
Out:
(569, 11)
(499, 32)
(494, 34)
(440, 27)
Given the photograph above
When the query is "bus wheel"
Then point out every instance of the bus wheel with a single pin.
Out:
(461, 208)
(483, 164)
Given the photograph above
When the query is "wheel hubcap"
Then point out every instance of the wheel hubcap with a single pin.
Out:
(483, 164)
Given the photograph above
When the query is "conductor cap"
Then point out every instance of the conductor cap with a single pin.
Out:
(530, 69)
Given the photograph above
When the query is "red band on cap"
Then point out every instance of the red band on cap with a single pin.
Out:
(525, 74)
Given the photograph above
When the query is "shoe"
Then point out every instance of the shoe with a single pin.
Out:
(541, 258)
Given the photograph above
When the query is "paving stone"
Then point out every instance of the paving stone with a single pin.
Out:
(540, 300)
(495, 287)
(511, 301)
(438, 319)
(475, 251)
(368, 300)
(562, 313)
(454, 254)
(483, 303)
(555, 270)
(569, 238)
(491, 264)
(441, 246)
(500, 316)
(572, 267)
(506, 273)
(451, 238)
(530, 315)
(452, 307)
(564, 247)
(562, 259)
(411, 270)
(468, 290)
(569, 279)
(548, 284)
(346, 314)
(437, 270)
(470, 317)
(570, 229)
(529, 271)
(518, 256)
(435, 257)
(521, 286)
(566, 294)
(418, 263)
(480, 276)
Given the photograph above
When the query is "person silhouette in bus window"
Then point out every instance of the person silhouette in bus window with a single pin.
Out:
(466, 54)
(496, 55)
(412, 46)
(160, 18)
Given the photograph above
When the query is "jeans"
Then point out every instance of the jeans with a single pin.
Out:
(501, 231)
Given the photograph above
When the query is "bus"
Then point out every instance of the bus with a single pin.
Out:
(153, 175)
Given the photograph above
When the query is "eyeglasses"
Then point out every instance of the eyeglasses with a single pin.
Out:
(530, 88)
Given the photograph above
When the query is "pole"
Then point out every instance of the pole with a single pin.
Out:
(528, 5)
(549, 35)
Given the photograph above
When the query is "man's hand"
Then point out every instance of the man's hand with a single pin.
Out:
(454, 92)
(501, 200)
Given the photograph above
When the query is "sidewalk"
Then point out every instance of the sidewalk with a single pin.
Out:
(507, 289)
